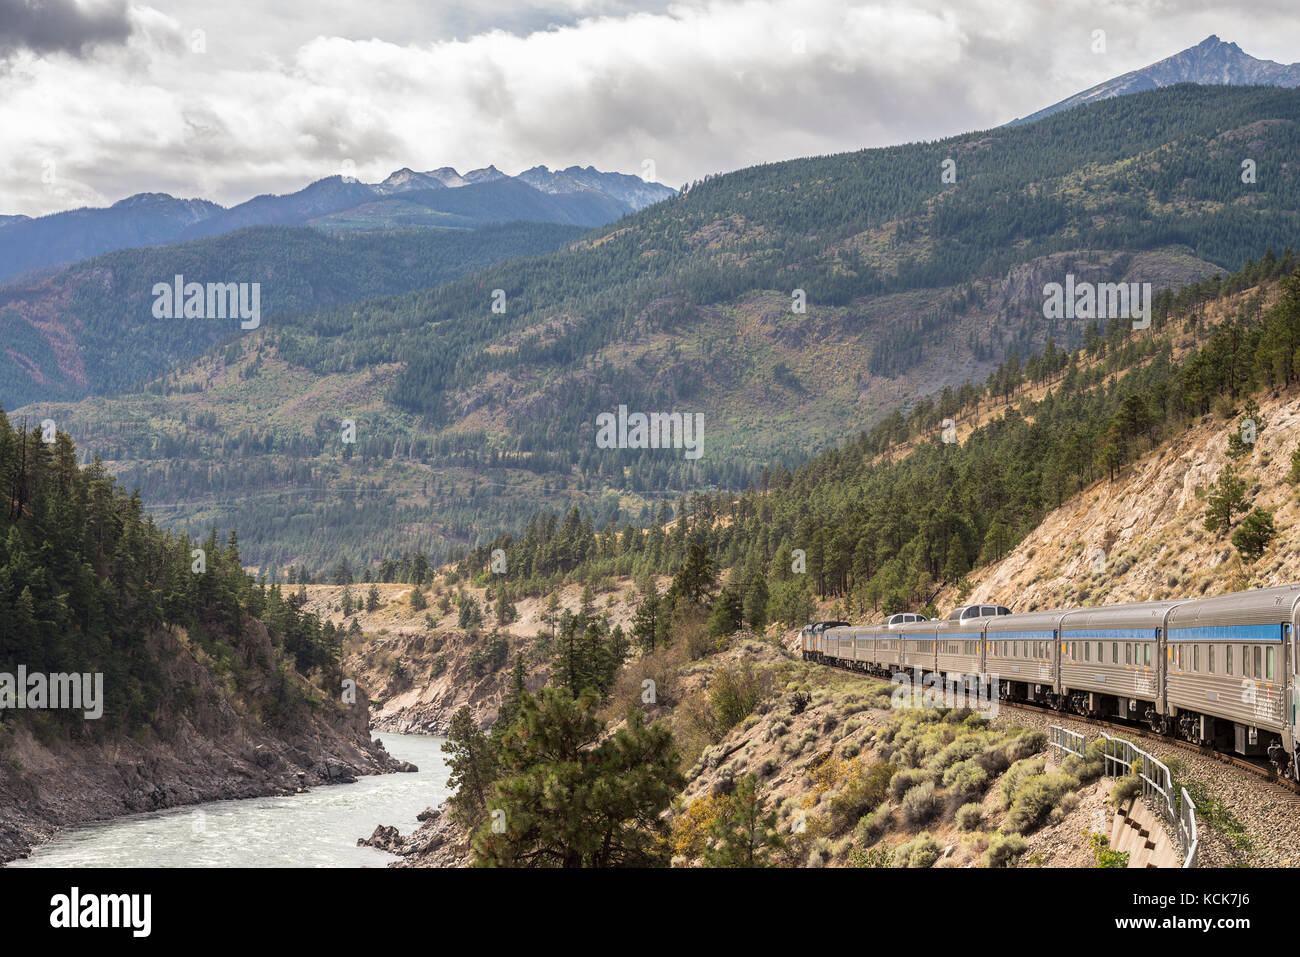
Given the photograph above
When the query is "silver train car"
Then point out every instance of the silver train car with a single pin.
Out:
(1222, 672)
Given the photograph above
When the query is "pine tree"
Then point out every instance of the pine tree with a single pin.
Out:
(1227, 498)
(571, 797)
(744, 834)
(756, 597)
(646, 622)
(473, 766)
(418, 601)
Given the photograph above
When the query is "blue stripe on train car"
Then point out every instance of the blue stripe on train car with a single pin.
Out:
(1138, 634)
(1229, 633)
(1021, 635)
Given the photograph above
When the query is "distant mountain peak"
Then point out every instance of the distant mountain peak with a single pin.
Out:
(576, 196)
(143, 199)
(1211, 62)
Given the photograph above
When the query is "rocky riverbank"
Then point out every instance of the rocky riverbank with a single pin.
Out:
(437, 842)
(212, 747)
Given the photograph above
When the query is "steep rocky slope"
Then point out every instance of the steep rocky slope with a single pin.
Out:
(1141, 537)
(421, 667)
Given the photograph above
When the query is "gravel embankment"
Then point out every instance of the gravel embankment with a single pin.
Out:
(1269, 815)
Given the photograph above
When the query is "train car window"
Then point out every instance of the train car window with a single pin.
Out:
(1128, 653)
(1258, 671)
(1227, 659)
(1114, 652)
(1268, 665)
(1196, 657)
(1146, 654)
(1087, 651)
(1209, 657)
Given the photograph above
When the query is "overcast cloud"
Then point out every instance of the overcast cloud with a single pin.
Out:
(99, 100)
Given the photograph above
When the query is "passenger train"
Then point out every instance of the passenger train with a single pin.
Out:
(1221, 672)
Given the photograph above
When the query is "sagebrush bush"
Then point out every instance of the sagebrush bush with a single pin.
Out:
(1027, 767)
(904, 781)
(1089, 767)
(819, 853)
(1004, 849)
(1025, 743)
(993, 758)
(970, 816)
(962, 749)
(966, 781)
(1125, 788)
(921, 851)
(1037, 795)
(872, 826)
(920, 804)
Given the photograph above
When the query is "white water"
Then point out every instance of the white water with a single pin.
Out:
(317, 829)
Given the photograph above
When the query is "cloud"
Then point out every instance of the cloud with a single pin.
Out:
(61, 26)
(268, 103)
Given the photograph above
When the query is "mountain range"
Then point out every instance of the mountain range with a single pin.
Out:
(575, 196)
(1210, 62)
(469, 419)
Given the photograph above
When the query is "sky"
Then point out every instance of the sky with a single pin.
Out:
(101, 99)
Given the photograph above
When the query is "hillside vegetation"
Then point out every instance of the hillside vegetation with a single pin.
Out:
(90, 329)
(222, 687)
(912, 285)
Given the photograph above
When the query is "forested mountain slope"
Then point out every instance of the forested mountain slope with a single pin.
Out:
(91, 329)
(470, 417)
(1120, 447)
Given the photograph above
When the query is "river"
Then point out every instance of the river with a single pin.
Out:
(316, 829)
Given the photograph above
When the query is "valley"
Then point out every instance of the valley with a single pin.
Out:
(481, 519)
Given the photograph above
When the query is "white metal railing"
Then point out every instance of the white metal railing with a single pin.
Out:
(1187, 828)
(1066, 740)
(1122, 758)
(1178, 811)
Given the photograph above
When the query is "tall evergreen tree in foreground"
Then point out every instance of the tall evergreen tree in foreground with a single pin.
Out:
(569, 796)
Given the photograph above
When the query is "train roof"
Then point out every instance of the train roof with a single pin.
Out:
(1261, 606)
(964, 625)
(1147, 614)
(913, 629)
(1045, 620)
